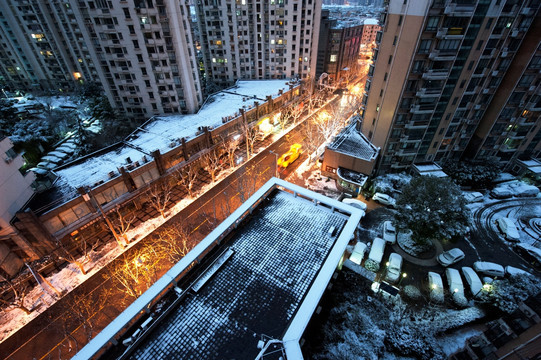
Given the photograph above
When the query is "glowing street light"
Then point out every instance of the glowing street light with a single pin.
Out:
(404, 275)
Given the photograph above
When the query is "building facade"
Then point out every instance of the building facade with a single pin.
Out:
(15, 191)
(338, 49)
(141, 53)
(454, 79)
(250, 39)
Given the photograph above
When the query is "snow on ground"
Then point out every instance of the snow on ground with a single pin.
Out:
(390, 183)
(455, 341)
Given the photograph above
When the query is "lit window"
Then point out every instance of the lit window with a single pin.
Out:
(38, 36)
(334, 58)
(144, 20)
(272, 41)
(213, 60)
(77, 75)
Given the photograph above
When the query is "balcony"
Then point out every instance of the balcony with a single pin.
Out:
(424, 92)
(436, 74)
(418, 109)
(415, 125)
(459, 9)
(441, 56)
(452, 33)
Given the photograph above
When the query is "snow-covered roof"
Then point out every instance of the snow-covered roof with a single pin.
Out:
(284, 257)
(429, 170)
(353, 143)
(160, 133)
(370, 22)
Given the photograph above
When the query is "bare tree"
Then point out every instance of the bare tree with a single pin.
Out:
(211, 160)
(174, 242)
(122, 223)
(19, 293)
(250, 136)
(230, 145)
(64, 254)
(186, 176)
(134, 273)
(160, 196)
(85, 307)
(246, 184)
(312, 138)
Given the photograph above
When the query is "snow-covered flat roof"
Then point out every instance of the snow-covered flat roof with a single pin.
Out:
(429, 169)
(160, 133)
(371, 22)
(352, 142)
(256, 294)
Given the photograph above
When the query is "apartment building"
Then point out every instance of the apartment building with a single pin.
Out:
(248, 39)
(454, 79)
(142, 52)
(339, 44)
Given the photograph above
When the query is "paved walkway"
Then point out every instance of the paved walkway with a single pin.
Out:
(417, 261)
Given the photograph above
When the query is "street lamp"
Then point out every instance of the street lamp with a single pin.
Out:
(275, 164)
(404, 275)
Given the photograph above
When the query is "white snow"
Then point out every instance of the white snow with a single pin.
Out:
(455, 341)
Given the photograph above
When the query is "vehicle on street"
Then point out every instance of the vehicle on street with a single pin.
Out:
(355, 203)
(357, 255)
(435, 285)
(383, 199)
(489, 268)
(513, 271)
(450, 257)
(389, 232)
(377, 249)
(290, 156)
(394, 267)
(529, 253)
(508, 228)
(472, 197)
(456, 288)
(473, 280)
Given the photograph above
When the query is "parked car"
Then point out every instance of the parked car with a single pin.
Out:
(513, 271)
(435, 285)
(290, 156)
(529, 253)
(355, 203)
(357, 255)
(508, 228)
(472, 197)
(450, 257)
(489, 268)
(522, 189)
(389, 232)
(501, 193)
(473, 281)
(377, 249)
(456, 288)
(383, 199)
(394, 267)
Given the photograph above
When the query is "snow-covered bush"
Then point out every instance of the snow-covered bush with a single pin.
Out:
(505, 294)
(390, 183)
(371, 265)
(412, 293)
(413, 341)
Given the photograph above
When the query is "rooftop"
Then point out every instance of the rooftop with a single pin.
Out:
(353, 143)
(282, 258)
(160, 133)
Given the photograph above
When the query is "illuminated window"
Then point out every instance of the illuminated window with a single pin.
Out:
(213, 60)
(218, 42)
(144, 20)
(272, 41)
(80, 60)
(38, 36)
(77, 75)
(334, 58)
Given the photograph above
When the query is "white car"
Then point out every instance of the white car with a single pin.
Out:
(377, 250)
(501, 193)
(383, 199)
(450, 257)
(456, 288)
(389, 232)
(473, 281)
(530, 253)
(355, 203)
(489, 268)
(508, 228)
(357, 255)
(472, 197)
(394, 267)
(436, 287)
(513, 271)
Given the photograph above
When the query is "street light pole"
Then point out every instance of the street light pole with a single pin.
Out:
(102, 213)
(275, 164)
